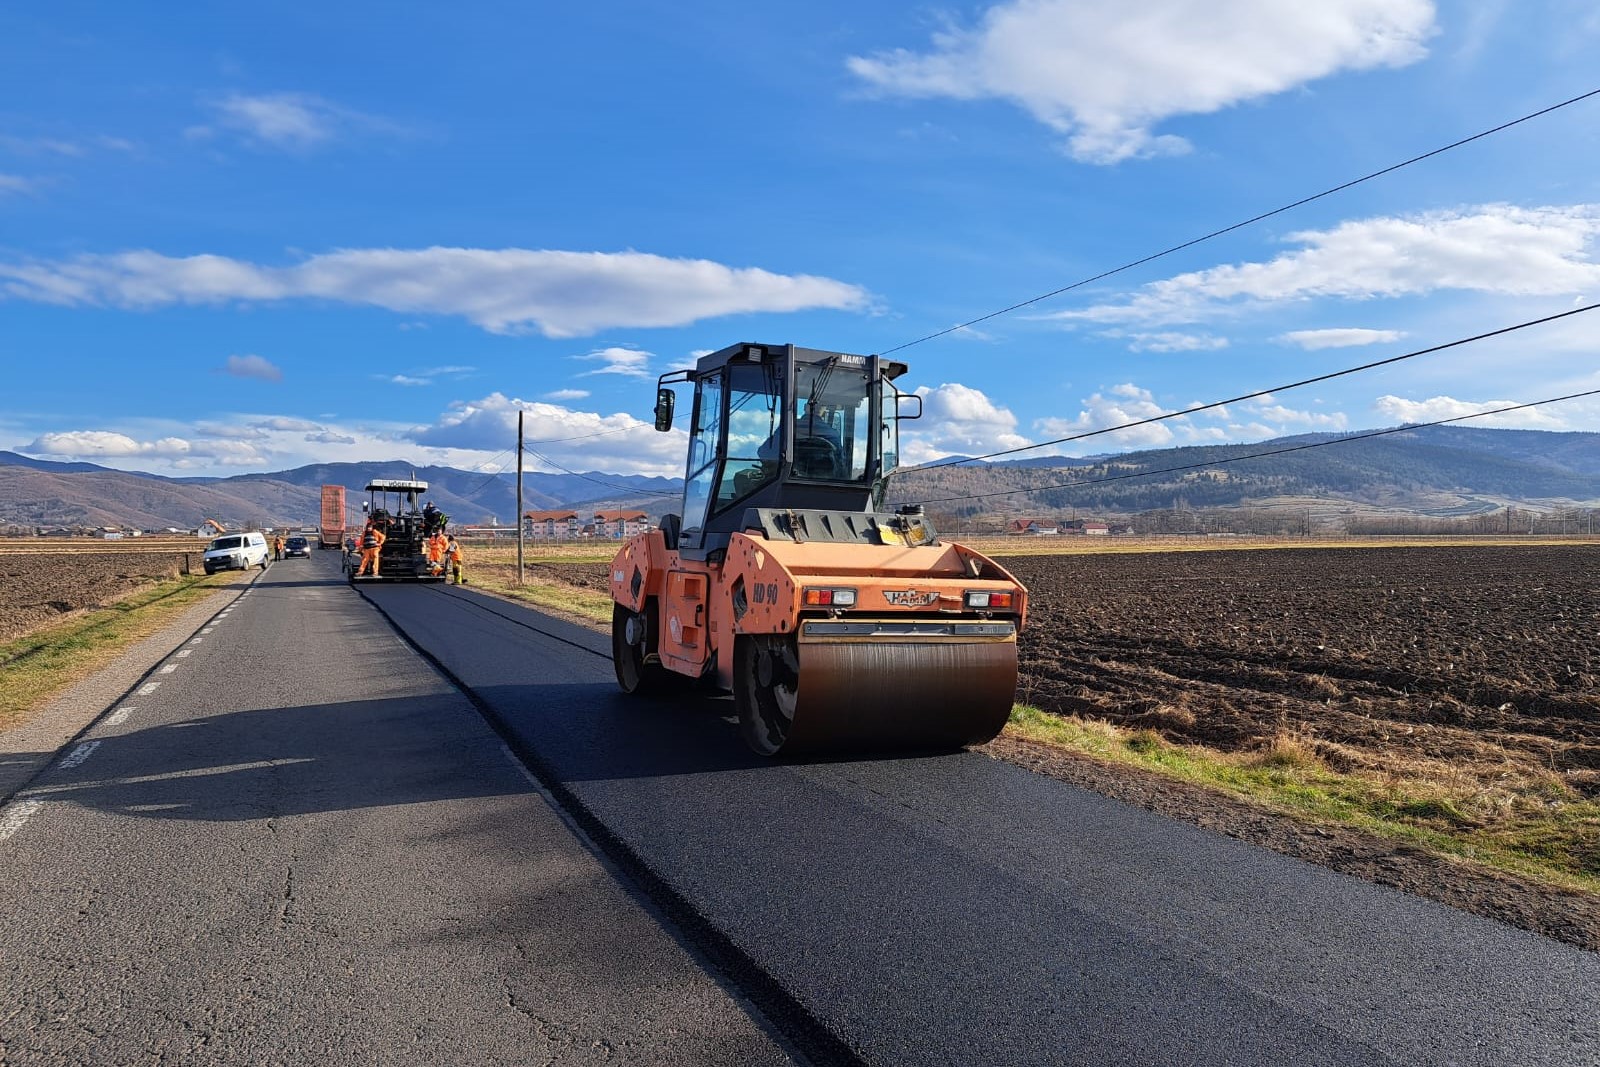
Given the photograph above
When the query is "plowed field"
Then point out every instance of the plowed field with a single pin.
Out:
(1475, 667)
(1472, 659)
(39, 589)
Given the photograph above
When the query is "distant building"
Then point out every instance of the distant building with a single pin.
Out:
(618, 525)
(552, 525)
(1085, 527)
(1032, 528)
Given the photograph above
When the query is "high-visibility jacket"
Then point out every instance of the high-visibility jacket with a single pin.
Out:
(453, 551)
(373, 538)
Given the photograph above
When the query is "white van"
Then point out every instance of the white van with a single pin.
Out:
(236, 552)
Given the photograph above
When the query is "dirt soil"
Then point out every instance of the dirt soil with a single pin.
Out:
(1445, 656)
(1461, 664)
(39, 590)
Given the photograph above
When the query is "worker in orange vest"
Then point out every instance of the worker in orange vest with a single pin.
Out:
(371, 545)
(452, 553)
(436, 547)
(277, 547)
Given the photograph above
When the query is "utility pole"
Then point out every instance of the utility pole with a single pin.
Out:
(520, 414)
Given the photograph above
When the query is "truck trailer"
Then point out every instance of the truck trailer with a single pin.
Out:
(331, 533)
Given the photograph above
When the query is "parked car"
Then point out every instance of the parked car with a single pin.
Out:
(296, 546)
(236, 552)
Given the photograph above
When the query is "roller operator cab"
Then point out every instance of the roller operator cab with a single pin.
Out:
(837, 626)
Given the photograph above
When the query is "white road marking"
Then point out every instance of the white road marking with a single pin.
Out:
(17, 814)
(79, 754)
(149, 687)
(120, 716)
(195, 640)
(182, 652)
(207, 630)
(168, 669)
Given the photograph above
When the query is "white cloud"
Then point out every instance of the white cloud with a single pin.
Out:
(402, 379)
(567, 394)
(957, 420)
(328, 437)
(1287, 418)
(1118, 405)
(1128, 403)
(1311, 340)
(1401, 410)
(1175, 342)
(1104, 76)
(630, 362)
(293, 122)
(513, 290)
(87, 443)
(58, 146)
(15, 183)
(578, 440)
(177, 451)
(285, 424)
(1497, 248)
(253, 367)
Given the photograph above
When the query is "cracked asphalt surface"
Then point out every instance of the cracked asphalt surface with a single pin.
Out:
(305, 846)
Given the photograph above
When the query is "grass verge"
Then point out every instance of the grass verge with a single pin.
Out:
(560, 597)
(46, 662)
(1554, 840)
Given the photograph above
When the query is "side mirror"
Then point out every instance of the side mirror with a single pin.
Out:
(365, 506)
(665, 399)
(902, 401)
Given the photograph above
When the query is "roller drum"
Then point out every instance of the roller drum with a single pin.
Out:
(873, 694)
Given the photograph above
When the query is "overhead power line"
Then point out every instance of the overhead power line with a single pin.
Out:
(596, 481)
(1247, 222)
(497, 472)
(1251, 396)
(1259, 455)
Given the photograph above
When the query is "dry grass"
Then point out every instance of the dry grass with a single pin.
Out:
(45, 663)
(582, 605)
(1530, 824)
(542, 552)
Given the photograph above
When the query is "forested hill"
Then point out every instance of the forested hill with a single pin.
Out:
(1434, 470)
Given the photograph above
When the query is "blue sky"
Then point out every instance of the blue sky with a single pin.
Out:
(245, 238)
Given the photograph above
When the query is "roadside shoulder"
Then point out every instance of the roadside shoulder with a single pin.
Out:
(30, 745)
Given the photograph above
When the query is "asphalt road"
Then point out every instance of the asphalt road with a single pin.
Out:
(297, 843)
(303, 844)
(960, 910)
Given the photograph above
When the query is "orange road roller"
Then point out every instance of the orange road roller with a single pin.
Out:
(837, 626)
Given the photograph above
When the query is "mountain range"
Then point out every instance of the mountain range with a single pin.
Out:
(1443, 470)
(1440, 470)
(43, 493)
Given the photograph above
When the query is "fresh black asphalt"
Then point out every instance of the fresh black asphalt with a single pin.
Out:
(960, 910)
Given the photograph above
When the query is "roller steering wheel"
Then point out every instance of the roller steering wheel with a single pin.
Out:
(818, 457)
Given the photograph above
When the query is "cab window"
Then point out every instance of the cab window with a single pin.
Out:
(755, 427)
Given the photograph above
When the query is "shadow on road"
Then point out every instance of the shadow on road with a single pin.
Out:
(290, 761)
